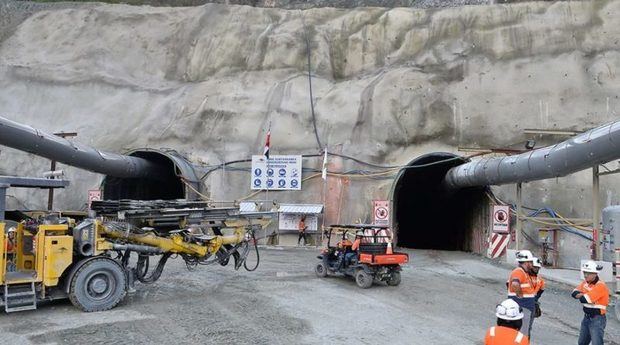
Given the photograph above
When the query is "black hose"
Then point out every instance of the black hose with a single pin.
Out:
(143, 263)
(245, 262)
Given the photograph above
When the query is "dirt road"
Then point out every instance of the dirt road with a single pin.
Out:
(444, 298)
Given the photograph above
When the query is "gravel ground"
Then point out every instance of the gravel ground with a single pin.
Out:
(444, 298)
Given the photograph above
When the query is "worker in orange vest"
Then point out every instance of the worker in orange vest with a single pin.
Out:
(594, 295)
(539, 288)
(349, 256)
(509, 319)
(302, 227)
(521, 288)
(10, 243)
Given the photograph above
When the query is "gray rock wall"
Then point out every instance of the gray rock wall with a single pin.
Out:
(389, 85)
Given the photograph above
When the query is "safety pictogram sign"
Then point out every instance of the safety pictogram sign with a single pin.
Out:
(501, 219)
(381, 212)
(277, 173)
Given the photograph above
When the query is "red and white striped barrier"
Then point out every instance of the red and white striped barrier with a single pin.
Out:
(497, 245)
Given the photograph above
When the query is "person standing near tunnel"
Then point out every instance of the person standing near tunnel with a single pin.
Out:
(539, 289)
(594, 295)
(302, 230)
(521, 288)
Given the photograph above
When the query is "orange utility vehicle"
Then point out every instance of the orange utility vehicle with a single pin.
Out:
(369, 257)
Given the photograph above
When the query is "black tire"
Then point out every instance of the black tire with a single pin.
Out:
(394, 279)
(99, 284)
(321, 270)
(363, 279)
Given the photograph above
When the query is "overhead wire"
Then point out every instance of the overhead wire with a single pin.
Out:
(308, 54)
(385, 173)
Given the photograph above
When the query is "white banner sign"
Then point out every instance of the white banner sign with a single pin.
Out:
(290, 221)
(501, 219)
(280, 173)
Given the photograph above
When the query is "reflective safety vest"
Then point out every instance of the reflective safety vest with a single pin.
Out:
(500, 335)
(596, 295)
(539, 283)
(528, 286)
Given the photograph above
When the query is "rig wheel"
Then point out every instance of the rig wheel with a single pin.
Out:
(99, 284)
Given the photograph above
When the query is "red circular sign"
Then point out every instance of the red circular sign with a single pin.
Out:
(381, 213)
(500, 216)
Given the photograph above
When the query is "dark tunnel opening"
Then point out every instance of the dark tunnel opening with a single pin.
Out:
(426, 215)
(168, 187)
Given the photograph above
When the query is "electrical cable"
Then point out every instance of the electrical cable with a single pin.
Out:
(562, 223)
(202, 196)
(316, 132)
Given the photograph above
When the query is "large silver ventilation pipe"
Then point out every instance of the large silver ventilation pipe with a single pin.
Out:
(597, 146)
(26, 138)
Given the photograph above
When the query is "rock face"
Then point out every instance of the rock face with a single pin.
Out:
(388, 85)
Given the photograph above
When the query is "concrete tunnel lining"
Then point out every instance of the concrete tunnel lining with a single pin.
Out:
(426, 215)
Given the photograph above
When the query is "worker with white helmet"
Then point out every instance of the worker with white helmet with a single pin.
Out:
(521, 288)
(509, 320)
(539, 288)
(594, 295)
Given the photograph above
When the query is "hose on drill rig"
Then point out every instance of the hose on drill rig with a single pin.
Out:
(245, 262)
(142, 268)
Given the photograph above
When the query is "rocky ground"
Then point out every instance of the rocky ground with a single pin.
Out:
(444, 298)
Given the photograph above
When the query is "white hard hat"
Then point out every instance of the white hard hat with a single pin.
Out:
(590, 267)
(537, 262)
(524, 256)
(509, 310)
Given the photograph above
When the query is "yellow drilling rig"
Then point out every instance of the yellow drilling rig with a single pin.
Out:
(149, 213)
(89, 262)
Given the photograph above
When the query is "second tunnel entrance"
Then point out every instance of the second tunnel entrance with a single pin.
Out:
(426, 216)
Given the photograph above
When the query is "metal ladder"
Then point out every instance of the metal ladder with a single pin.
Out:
(20, 297)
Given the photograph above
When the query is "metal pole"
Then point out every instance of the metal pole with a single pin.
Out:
(324, 209)
(596, 213)
(50, 196)
(519, 225)
(3, 188)
(618, 276)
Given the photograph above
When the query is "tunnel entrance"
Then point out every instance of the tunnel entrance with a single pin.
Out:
(168, 187)
(426, 216)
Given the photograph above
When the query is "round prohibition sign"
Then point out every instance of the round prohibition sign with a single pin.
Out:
(500, 216)
(381, 213)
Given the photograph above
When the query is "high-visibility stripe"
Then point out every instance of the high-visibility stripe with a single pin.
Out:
(525, 285)
(527, 295)
(492, 331)
(519, 338)
(595, 306)
(588, 298)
